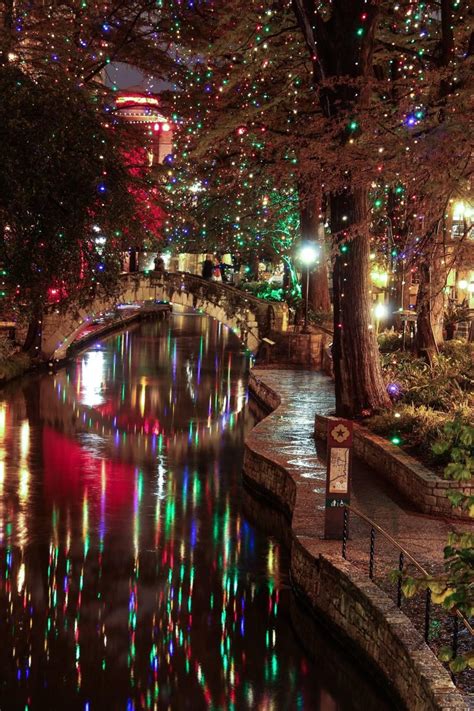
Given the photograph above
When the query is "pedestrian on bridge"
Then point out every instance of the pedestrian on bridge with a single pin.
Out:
(207, 268)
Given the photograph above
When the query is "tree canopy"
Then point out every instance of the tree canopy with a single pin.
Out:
(64, 194)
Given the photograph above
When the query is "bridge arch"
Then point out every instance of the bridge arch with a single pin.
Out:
(250, 318)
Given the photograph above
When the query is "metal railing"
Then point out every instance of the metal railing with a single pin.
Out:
(403, 557)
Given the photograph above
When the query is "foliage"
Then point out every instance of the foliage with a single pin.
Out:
(389, 341)
(263, 290)
(454, 589)
(452, 441)
(13, 365)
(444, 385)
(61, 183)
(82, 39)
(454, 313)
(414, 426)
(457, 445)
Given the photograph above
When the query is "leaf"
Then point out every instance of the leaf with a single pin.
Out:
(410, 586)
(458, 665)
(445, 654)
(440, 597)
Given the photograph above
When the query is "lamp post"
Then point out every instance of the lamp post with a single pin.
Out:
(308, 256)
(380, 313)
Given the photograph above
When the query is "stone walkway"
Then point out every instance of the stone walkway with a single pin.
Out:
(288, 437)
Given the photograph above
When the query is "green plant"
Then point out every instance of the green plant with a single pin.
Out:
(389, 341)
(442, 386)
(415, 426)
(14, 365)
(457, 444)
(264, 290)
(454, 589)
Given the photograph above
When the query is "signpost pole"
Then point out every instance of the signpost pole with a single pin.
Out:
(339, 451)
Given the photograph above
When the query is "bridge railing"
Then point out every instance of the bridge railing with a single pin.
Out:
(268, 315)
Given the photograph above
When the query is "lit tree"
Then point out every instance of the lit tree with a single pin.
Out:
(370, 117)
(64, 198)
(79, 40)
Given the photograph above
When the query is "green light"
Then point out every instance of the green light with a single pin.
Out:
(344, 248)
(353, 125)
(360, 31)
(396, 440)
(378, 203)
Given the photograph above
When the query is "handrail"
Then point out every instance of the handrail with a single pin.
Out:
(408, 555)
(220, 285)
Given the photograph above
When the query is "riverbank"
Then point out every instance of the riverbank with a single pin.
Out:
(282, 462)
(20, 364)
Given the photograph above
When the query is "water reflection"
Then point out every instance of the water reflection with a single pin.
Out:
(129, 575)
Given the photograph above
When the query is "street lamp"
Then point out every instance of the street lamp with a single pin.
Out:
(380, 313)
(308, 256)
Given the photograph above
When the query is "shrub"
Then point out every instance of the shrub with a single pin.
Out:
(263, 290)
(14, 365)
(443, 386)
(414, 426)
(389, 341)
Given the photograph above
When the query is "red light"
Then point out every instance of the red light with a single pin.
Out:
(156, 127)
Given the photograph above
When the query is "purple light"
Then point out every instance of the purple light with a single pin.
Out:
(394, 390)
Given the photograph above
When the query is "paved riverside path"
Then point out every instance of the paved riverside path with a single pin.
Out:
(287, 437)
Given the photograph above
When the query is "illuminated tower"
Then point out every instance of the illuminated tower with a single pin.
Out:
(142, 109)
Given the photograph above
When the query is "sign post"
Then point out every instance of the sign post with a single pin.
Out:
(339, 446)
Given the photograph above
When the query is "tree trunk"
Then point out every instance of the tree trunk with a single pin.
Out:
(133, 264)
(319, 299)
(32, 344)
(360, 388)
(430, 309)
(337, 51)
(254, 262)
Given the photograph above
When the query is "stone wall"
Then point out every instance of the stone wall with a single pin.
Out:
(424, 489)
(367, 619)
(363, 616)
(298, 349)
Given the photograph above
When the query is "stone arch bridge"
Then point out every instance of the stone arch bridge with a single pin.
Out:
(250, 318)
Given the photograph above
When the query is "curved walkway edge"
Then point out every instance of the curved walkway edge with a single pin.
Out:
(281, 461)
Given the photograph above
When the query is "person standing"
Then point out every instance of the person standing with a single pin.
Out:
(207, 268)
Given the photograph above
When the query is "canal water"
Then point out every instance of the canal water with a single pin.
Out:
(131, 576)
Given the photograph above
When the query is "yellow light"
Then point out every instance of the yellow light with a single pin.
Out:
(24, 484)
(380, 279)
(24, 438)
(380, 311)
(136, 99)
(20, 581)
(462, 211)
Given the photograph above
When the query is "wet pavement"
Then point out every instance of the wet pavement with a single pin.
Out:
(287, 437)
(131, 576)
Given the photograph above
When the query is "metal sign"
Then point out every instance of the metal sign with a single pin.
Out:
(339, 443)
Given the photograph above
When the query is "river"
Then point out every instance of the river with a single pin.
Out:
(132, 575)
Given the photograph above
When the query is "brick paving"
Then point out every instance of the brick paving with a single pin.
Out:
(287, 438)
